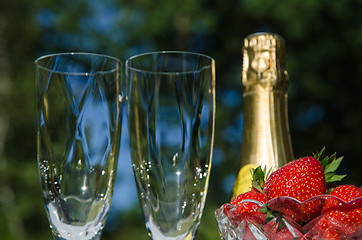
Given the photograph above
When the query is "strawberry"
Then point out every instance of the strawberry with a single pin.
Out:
(345, 216)
(324, 229)
(347, 192)
(344, 192)
(301, 179)
(246, 209)
(250, 209)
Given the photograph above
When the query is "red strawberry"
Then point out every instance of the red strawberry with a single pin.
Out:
(324, 229)
(242, 206)
(345, 216)
(344, 192)
(302, 179)
(284, 234)
(250, 209)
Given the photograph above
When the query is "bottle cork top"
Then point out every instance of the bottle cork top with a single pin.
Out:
(264, 62)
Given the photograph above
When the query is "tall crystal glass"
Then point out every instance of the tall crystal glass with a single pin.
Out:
(78, 122)
(171, 115)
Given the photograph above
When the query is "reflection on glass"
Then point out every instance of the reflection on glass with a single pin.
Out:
(171, 112)
(78, 122)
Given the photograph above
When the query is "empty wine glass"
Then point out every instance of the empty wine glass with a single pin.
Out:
(171, 115)
(78, 123)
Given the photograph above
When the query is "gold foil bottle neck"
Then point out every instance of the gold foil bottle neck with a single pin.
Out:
(264, 63)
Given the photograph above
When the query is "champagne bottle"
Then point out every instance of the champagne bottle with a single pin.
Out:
(266, 139)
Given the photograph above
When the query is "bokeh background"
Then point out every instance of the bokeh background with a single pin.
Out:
(324, 61)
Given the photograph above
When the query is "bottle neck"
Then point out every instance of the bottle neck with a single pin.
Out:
(266, 137)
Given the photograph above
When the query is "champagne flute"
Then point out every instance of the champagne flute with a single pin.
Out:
(171, 115)
(78, 122)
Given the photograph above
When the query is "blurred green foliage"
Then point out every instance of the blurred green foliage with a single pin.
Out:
(324, 47)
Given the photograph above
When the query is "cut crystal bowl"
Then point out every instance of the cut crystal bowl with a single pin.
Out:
(279, 223)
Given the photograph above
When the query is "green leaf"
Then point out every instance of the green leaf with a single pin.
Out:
(269, 172)
(258, 179)
(324, 162)
(328, 176)
(263, 209)
(281, 224)
(257, 186)
(336, 178)
(332, 167)
(319, 154)
(269, 217)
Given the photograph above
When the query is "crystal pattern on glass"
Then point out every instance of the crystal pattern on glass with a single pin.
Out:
(171, 111)
(78, 121)
(280, 226)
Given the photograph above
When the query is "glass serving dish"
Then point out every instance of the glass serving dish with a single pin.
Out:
(280, 224)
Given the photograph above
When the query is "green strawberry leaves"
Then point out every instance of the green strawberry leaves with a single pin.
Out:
(259, 177)
(330, 164)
